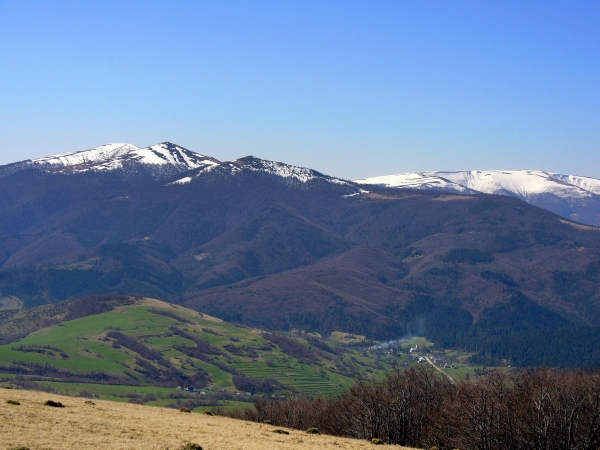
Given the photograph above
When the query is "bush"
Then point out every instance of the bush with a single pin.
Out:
(211, 331)
(278, 431)
(13, 402)
(190, 446)
(185, 410)
(208, 413)
(313, 430)
(54, 404)
(268, 422)
(170, 315)
(376, 441)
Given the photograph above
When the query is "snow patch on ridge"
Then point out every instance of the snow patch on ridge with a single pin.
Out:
(184, 180)
(91, 156)
(277, 169)
(301, 174)
(522, 183)
(589, 184)
(422, 180)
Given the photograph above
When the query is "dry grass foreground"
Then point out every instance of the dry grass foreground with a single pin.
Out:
(112, 425)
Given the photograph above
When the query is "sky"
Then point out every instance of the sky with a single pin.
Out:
(350, 88)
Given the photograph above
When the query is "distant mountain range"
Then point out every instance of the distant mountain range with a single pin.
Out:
(280, 247)
(160, 161)
(571, 196)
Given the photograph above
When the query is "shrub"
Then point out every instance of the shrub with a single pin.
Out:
(211, 331)
(208, 413)
(185, 410)
(7, 387)
(242, 350)
(13, 402)
(268, 422)
(190, 446)
(313, 430)
(171, 315)
(376, 441)
(278, 431)
(89, 402)
(54, 404)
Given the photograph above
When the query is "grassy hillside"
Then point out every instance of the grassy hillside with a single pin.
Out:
(141, 350)
(83, 424)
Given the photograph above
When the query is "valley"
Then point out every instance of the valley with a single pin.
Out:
(277, 247)
(141, 350)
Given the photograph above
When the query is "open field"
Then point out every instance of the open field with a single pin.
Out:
(111, 425)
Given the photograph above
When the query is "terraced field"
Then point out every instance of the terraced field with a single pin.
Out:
(143, 351)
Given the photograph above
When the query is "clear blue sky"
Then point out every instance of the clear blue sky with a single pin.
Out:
(350, 88)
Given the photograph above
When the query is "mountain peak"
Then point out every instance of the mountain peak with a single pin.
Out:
(163, 157)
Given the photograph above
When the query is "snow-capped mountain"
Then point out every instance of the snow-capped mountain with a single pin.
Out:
(571, 196)
(117, 156)
(167, 160)
(518, 183)
(286, 172)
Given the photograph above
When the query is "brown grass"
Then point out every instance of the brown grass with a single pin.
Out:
(448, 198)
(111, 425)
(580, 226)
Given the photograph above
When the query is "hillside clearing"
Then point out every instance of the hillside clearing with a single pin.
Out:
(104, 424)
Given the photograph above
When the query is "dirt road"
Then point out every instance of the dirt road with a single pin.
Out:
(440, 370)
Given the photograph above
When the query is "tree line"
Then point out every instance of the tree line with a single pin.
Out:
(542, 409)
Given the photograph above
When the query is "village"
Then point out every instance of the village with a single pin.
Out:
(418, 350)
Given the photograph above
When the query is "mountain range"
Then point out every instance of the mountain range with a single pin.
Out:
(571, 196)
(281, 247)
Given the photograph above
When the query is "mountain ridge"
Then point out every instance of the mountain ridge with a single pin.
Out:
(574, 197)
(273, 245)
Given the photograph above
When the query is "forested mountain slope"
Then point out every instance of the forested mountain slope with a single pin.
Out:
(283, 247)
